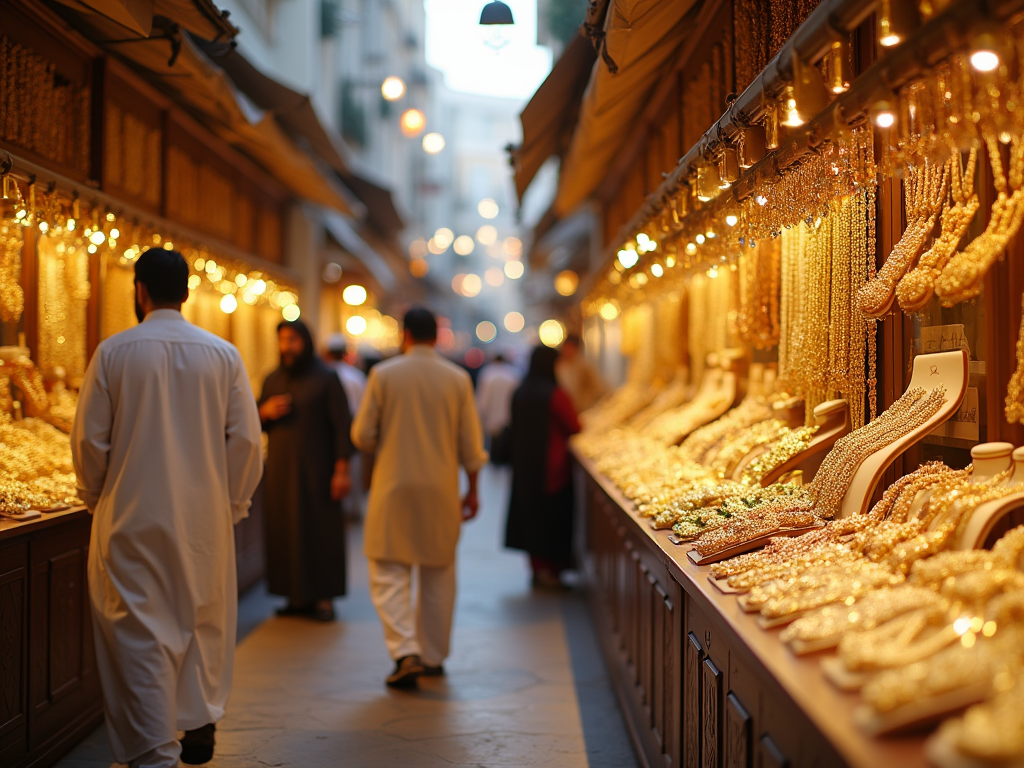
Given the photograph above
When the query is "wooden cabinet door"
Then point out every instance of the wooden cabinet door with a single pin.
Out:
(13, 652)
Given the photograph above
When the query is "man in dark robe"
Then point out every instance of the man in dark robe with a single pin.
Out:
(305, 414)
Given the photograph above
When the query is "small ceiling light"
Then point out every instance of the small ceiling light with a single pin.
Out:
(791, 117)
(471, 285)
(985, 56)
(883, 114)
(354, 295)
(837, 66)
(514, 322)
(228, 304)
(566, 282)
(486, 331)
(896, 20)
(487, 235)
(433, 143)
(393, 88)
(514, 269)
(356, 325)
(487, 208)
(412, 122)
(628, 257)
(464, 245)
(551, 333)
(496, 12)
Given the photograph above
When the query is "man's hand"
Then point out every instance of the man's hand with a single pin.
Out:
(275, 407)
(470, 505)
(341, 484)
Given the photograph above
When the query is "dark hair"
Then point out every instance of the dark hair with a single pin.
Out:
(542, 364)
(573, 339)
(337, 348)
(421, 324)
(165, 275)
(308, 352)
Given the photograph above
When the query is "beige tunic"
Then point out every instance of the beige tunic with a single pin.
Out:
(418, 416)
(166, 445)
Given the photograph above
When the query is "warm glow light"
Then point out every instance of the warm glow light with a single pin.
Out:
(418, 248)
(228, 304)
(691, 248)
(354, 295)
(211, 267)
(436, 248)
(471, 285)
(412, 122)
(332, 273)
(513, 247)
(356, 325)
(444, 237)
(885, 119)
(551, 333)
(487, 235)
(494, 277)
(433, 143)
(566, 282)
(761, 200)
(240, 280)
(792, 117)
(628, 258)
(43, 226)
(657, 270)
(393, 88)
(609, 310)
(259, 287)
(457, 282)
(290, 312)
(514, 322)
(419, 267)
(890, 40)
(464, 245)
(194, 281)
(700, 239)
(97, 237)
(984, 60)
(514, 269)
(731, 220)
(486, 331)
(487, 208)
(115, 233)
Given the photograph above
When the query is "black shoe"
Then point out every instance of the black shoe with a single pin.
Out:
(407, 671)
(197, 745)
(295, 610)
(429, 671)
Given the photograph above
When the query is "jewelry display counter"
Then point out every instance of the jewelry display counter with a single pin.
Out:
(699, 681)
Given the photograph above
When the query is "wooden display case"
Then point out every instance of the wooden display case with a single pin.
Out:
(700, 683)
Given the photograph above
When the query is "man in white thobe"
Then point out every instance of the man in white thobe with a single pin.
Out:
(166, 445)
(419, 417)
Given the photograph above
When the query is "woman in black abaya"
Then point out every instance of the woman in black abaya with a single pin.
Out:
(541, 508)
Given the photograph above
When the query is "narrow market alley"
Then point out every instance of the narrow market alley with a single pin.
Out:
(525, 687)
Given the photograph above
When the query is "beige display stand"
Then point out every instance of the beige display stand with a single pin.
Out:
(946, 368)
(833, 421)
(672, 396)
(984, 518)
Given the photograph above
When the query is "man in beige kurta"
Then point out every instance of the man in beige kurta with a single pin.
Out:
(166, 444)
(419, 417)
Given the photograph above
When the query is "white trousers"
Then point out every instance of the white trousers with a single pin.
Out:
(423, 629)
(164, 756)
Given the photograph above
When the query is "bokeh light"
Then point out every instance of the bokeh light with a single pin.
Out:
(464, 245)
(514, 269)
(471, 285)
(566, 282)
(419, 267)
(486, 235)
(551, 333)
(354, 295)
(412, 122)
(486, 331)
(494, 277)
(514, 322)
(433, 143)
(356, 325)
(487, 208)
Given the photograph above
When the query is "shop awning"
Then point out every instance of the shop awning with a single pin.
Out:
(350, 240)
(550, 116)
(172, 61)
(641, 37)
(381, 212)
(293, 110)
(200, 17)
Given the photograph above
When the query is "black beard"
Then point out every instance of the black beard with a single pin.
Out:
(139, 313)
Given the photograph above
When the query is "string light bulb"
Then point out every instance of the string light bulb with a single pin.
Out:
(883, 114)
(791, 118)
(896, 20)
(836, 66)
(985, 53)
(771, 125)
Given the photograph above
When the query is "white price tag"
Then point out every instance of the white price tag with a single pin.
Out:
(944, 338)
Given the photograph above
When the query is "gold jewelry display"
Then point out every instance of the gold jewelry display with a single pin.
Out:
(63, 302)
(1015, 386)
(917, 287)
(12, 297)
(925, 190)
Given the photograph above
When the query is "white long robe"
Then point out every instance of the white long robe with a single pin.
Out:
(166, 445)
